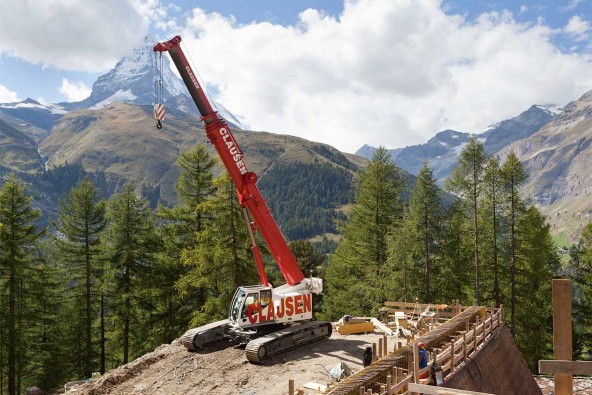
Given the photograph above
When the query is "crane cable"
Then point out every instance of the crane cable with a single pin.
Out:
(158, 90)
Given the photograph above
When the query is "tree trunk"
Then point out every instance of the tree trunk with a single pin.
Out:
(475, 225)
(513, 258)
(88, 356)
(12, 335)
(102, 332)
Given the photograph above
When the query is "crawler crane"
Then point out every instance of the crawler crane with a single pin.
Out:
(269, 320)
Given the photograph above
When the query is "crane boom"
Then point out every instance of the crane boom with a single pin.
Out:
(249, 196)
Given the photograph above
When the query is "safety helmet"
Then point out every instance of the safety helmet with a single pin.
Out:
(421, 344)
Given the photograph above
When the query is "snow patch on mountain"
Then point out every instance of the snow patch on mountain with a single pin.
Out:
(122, 96)
(552, 109)
(32, 104)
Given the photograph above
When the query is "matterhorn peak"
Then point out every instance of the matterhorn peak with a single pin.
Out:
(132, 80)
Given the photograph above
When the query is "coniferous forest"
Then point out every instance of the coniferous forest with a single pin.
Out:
(110, 279)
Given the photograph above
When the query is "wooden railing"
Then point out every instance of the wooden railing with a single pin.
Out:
(449, 355)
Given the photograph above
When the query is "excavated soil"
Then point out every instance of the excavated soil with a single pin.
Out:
(171, 369)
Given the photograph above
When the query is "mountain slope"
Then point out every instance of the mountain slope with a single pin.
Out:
(558, 159)
(441, 151)
(17, 150)
(121, 141)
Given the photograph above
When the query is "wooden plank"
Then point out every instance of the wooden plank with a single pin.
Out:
(382, 326)
(562, 338)
(565, 366)
(432, 390)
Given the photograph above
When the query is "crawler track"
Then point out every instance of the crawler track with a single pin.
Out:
(292, 338)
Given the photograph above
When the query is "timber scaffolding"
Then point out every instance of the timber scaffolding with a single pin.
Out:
(451, 342)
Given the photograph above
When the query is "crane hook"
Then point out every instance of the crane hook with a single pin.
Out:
(158, 124)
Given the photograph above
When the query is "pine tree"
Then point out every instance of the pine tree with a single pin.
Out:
(457, 256)
(426, 217)
(537, 261)
(582, 276)
(358, 268)
(221, 259)
(81, 220)
(513, 176)
(466, 182)
(179, 226)
(130, 243)
(17, 234)
(490, 220)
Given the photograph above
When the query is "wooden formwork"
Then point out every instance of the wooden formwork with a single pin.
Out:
(400, 362)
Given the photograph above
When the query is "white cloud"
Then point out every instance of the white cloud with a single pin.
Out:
(523, 9)
(573, 4)
(74, 91)
(73, 34)
(578, 28)
(8, 96)
(388, 73)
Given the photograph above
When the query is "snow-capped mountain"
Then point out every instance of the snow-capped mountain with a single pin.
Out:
(31, 113)
(441, 151)
(133, 80)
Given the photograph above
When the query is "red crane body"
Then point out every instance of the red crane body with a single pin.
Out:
(249, 196)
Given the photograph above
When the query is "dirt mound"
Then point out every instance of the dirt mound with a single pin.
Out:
(171, 369)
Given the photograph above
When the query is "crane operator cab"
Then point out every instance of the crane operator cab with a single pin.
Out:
(259, 305)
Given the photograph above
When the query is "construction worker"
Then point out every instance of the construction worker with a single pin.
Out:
(423, 358)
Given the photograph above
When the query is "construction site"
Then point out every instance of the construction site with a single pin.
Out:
(470, 350)
(270, 342)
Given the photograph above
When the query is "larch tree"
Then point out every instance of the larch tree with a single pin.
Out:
(131, 243)
(17, 234)
(221, 259)
(357, 269)
(466, 182)
(537, 262)
(582, 276)
(425, 222)
(179, 226)
(513, 176)
(490, 218)
(81, 220)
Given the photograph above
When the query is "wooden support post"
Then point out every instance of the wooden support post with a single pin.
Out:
(465, 347)
(380, 349)
(291, 387)
(382, 389)
(374, 358)
(389, 384)
(415, 363)
(385, 345)
(500, 314)
(362, 390)
(452, 357)
(467, 324)
(562, 338)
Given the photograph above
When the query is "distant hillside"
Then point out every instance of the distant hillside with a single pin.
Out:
(441, 151)
(17, 150)
(558, 159)
(121, 142)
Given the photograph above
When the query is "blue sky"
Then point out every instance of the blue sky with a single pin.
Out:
(382, 72)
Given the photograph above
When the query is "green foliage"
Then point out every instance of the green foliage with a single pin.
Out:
(130, 243)
(358, 268)
(466, 182)
(179, 226)
(81, 220)
(221, 259)
(18, 234)
(305, 207)
(581, 272)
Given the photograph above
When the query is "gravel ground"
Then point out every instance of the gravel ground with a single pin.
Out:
(171, 369)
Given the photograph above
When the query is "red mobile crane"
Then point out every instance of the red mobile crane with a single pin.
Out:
(260, 316)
